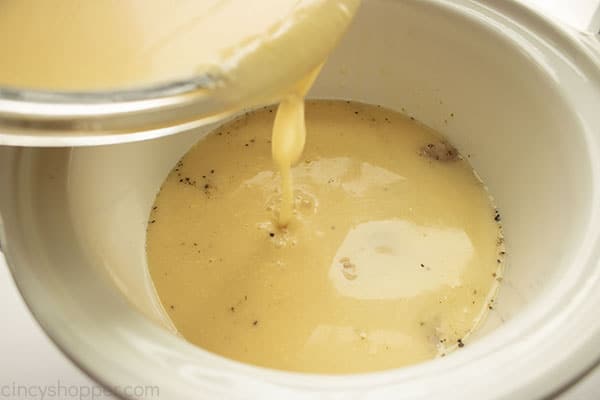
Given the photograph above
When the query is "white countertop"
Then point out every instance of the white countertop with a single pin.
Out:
(30, 363)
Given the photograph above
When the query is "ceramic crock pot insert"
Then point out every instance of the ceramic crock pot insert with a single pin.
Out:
(524, 94)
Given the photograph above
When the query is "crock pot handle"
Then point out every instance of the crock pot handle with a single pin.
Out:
(591, 29)
(583, 15)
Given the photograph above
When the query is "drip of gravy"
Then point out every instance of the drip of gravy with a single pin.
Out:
(288, 138)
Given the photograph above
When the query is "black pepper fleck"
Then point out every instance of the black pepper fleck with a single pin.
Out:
(497, 216)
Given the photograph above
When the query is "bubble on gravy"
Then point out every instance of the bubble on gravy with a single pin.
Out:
(391, 256)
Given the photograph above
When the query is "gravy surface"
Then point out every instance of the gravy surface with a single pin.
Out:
(391, 256)
(74, 45)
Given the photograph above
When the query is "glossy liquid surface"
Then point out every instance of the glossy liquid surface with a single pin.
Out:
(74, 45)
(390, 257)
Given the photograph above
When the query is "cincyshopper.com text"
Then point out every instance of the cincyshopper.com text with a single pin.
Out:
(62, 391)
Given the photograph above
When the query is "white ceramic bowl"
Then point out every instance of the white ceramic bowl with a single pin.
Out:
(525, 95)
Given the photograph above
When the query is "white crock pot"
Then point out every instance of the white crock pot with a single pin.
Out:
(516, 92)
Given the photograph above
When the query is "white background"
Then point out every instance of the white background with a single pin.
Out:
(28, 357)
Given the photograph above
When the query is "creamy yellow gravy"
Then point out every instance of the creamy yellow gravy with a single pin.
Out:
(391, 257)
(79, 45)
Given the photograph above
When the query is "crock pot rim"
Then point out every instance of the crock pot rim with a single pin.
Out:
(516, 12)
